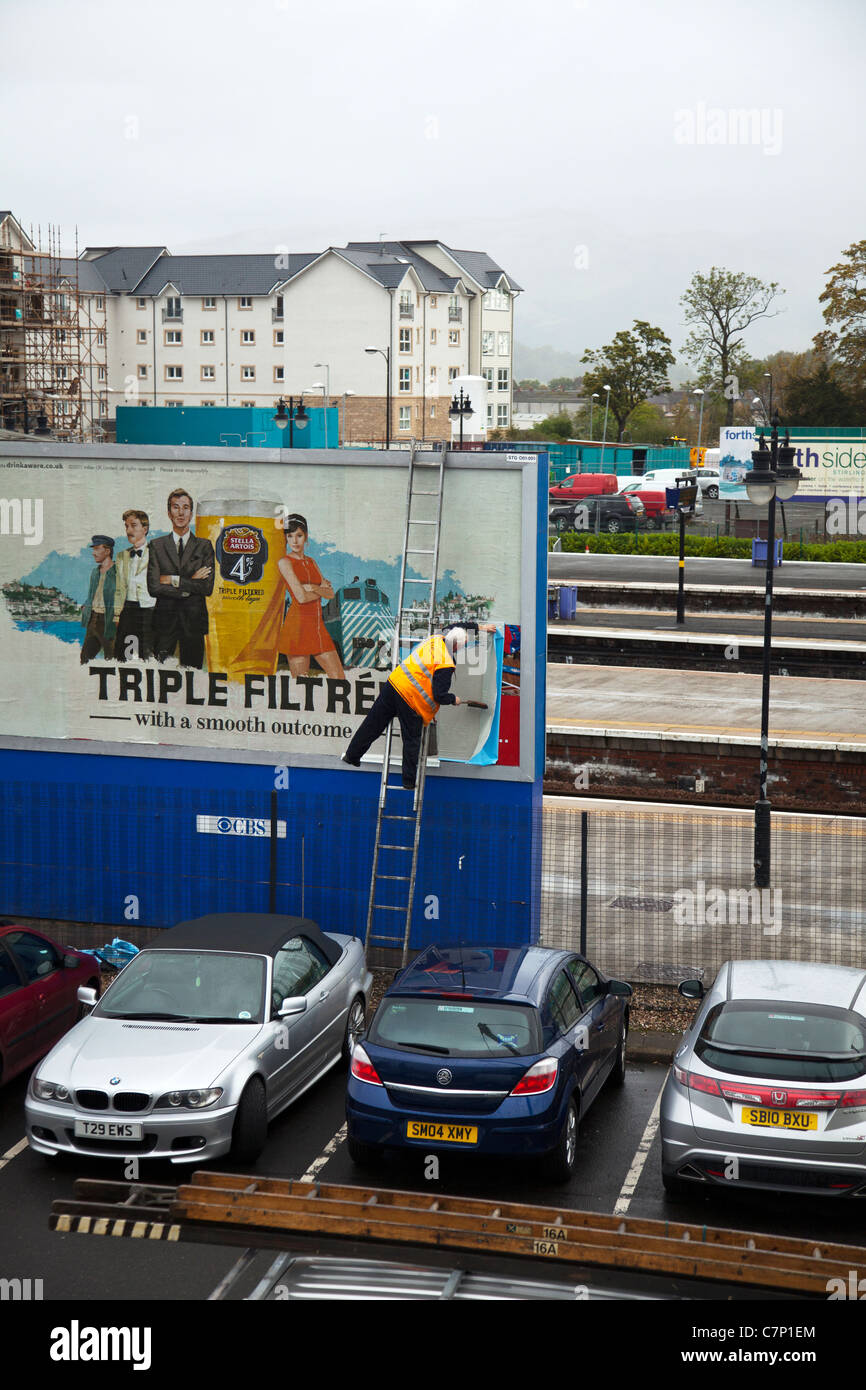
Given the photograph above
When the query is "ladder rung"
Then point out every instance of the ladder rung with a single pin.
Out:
(386, 817)
(416, 521)
(419, 493)
(410, 580)
(415, 550)
(407, 849)
(386, 907)
(394, 878)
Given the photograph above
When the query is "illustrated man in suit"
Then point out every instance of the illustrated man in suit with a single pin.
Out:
(133, 604)
(97, 613)
(180, 576)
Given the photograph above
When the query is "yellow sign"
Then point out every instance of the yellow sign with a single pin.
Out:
(697, 457)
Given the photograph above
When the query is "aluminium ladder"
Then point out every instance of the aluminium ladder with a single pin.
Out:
(398, 820)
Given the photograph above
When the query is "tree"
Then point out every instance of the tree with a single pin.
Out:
(530, 384)
(721, 306)
(559, 426)
(818, 399)
(844, 301)
(647, 425)
(634, 366)
(565, 383)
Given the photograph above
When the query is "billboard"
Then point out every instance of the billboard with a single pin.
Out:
(164, 599)
(829, 467)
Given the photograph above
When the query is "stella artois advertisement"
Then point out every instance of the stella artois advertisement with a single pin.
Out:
(231, 607)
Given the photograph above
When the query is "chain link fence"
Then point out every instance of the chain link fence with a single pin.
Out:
(670, 895)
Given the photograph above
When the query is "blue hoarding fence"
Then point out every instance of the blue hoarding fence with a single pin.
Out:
(221, 426)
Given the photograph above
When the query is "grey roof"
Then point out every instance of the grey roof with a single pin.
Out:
(223, 274)
(88, 277)
(388, 262)
(482, 269)
(123, 266)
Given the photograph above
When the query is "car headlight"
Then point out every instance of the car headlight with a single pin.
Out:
(50, 1090)
(189, 1100)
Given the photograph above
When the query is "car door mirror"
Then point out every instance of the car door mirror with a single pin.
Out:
(620, 987)
(86, 996)
(691, 989)
(295, 1004)
(71, 962)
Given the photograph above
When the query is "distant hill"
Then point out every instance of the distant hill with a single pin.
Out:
(544, 363)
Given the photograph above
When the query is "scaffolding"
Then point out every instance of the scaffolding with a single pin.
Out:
(52, 339)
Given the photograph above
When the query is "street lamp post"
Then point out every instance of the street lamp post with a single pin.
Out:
(460, 407)
(604, 439)
(774, 475)
(699, 392)
(291, 416)
(343, 415)
(592, 401)
(326, 393)
(768, 376)
(386, 353)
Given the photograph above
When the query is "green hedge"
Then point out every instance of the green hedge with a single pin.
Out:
(721, 548)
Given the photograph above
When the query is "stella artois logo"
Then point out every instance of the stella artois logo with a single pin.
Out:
(242, 553)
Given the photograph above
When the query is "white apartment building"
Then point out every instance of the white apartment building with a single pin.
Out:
(246, 329)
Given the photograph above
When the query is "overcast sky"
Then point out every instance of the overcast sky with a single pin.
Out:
(577, 142)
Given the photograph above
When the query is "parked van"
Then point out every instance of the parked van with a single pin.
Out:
(658, 479)
(583, 485)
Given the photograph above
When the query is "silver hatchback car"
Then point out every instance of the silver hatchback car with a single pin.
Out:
(768, 1088)
(201, 1040)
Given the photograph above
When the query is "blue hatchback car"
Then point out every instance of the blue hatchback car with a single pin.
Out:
(493, 1050)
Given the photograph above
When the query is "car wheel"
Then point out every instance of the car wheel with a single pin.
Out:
(355, 1025)
(364, 1155)
(251, 1123)
(558, 1165)
(652, 523)
(713, 493)
(617, 1076)
(614, 524)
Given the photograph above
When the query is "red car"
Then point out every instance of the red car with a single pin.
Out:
(39, 982)
(655, 505)
(579, 485)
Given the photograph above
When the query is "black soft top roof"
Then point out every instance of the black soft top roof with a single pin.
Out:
(262, 933)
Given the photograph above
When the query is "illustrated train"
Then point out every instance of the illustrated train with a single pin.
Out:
(361, 624)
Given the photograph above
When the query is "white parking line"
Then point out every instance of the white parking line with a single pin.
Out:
(13, 1152)
(627, 1190)
(327, 1152)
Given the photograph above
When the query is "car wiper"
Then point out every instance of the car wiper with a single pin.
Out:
(155, 1018)
(427, 1047)
(785, 1052)
(488, 1032)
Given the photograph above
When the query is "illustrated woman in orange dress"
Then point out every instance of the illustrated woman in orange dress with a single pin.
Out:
(303, 634)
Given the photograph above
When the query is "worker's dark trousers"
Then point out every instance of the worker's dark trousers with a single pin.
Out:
(389, 705)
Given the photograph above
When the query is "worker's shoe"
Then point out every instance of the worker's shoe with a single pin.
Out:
(353, 762)
(408, 786)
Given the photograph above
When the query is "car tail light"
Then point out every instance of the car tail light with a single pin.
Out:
(852, 1100)
(362, 1067)
(695, 1082)
(540, 1078)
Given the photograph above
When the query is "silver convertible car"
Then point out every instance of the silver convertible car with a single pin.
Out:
(201, 1040)
(768, 1088)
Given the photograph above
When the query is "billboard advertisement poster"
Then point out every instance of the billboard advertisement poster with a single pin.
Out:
(828, 467)
(235, 608)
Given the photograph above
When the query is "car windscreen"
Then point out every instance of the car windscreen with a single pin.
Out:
(456, 1027)
(199, 986)
(784, 1041)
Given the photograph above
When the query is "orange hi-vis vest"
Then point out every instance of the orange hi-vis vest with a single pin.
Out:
(413, 678)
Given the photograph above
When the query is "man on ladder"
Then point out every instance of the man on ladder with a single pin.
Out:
(413, 693)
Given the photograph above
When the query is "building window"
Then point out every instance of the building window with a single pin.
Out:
(433, 411)
(405, 339)
(247, 405)
(488, 342)
(453, 373)
(174, 373)
(176, 404)
(433, 374)
(100, 374)
(141, 303)
(144, 402)
(432, 337)
(208, 302)
(502, 415)
(279, 337)
(248, 373)
(502, 379)
(100, 302)
(495, 299)
(61, 373)
(490, 417)
(208, 373)
(278, 307)
(61, 335)
(434, 301)
(455, 311)
(141, 335)
(245, 301)
(208, 402)
(207, 337)
(453, 337)
(487, 373)
(142, 370)
(173, 308)
(100, 339)
(103, 406)
(248, 337)
(173, 336)
(504, 344)
(405, 379)
(279, 373)
(405, 417)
